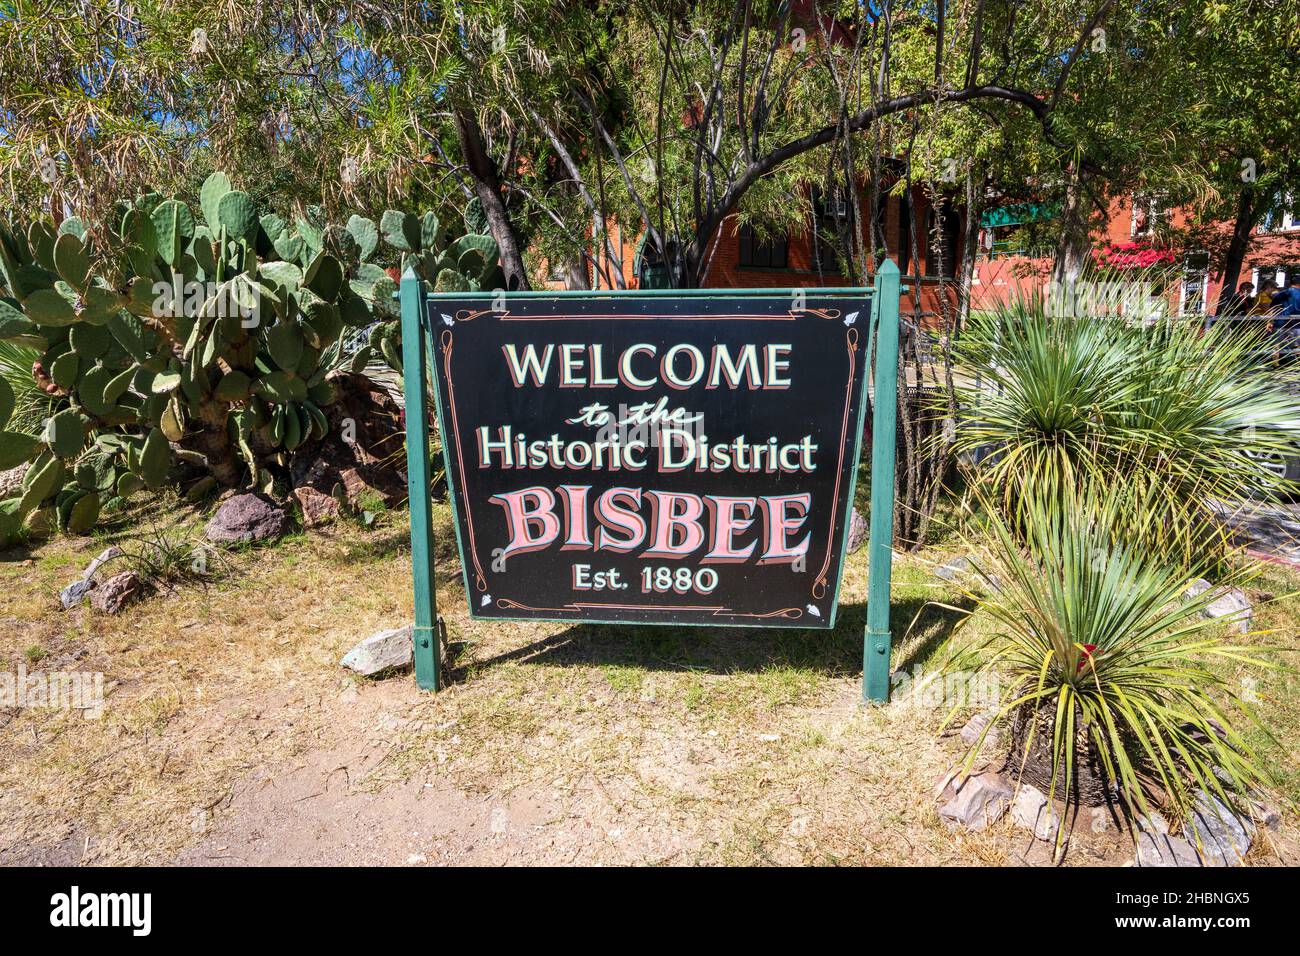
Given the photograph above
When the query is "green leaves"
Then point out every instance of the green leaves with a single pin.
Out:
(1094, 398)
(1097, 646)
(281, 387)
(324, 276)
(285, 343)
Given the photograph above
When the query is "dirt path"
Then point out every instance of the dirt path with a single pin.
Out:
(322, 809)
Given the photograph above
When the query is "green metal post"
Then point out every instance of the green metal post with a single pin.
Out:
(884, 438)
(415, 384)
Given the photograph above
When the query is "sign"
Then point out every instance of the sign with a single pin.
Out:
(683, 460)
(654, 457)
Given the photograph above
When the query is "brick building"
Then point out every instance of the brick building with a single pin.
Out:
(1004, 265)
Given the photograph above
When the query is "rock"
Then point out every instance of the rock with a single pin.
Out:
(1101, 820)
(105, 556)
(318, 508)
(858, 530)
(970, 734)
(1222, 836)
(980, 800)
(954, 569)
(1266, 815)
(75, 593)
(1161, 849)
(117, 592)
(1032, 811)
(367, 427)
(1230, 603)
(11, 481)
(246, 519)
(1152, 823)
(379, 652)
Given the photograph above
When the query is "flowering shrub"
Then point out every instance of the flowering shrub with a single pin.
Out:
(1132, 255)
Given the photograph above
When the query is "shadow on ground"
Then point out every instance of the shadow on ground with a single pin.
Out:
(834, 653)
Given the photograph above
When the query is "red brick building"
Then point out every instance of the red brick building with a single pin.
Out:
(1004, 266)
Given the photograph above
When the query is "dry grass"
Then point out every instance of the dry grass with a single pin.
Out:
(595, 744)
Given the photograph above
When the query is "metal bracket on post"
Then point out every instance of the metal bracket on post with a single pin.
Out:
(415, 383)
(884, 440)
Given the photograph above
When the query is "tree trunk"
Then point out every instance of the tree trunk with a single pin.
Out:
(487, 186)
(1075, 243)
(575, 272)
(1237, 247)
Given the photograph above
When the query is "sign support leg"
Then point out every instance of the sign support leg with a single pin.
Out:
(884, 438)
(415, 382)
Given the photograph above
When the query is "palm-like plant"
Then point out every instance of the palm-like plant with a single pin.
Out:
(1084, 399)
(1105, 667)
(31, 406)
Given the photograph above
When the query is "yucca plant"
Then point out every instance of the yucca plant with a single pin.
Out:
(1106, 666)
(1064, 400)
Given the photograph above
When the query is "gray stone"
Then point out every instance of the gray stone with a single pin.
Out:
(970, 734)
(105, 556)
(75, 593)
(1101, 820)
(1223, 837)
(1031, 811)
(1229, 603)
(1153, 823)
(11, 481)
(247, 519)
(954, 569)
(1266, 815)
(379, 652)
(117, 592)
(1161, 849)
(317, 507)
(858, 530)
(980, 800)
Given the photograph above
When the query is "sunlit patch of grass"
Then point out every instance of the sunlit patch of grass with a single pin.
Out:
(625, 680)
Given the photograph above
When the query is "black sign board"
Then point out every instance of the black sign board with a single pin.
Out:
(652, 459)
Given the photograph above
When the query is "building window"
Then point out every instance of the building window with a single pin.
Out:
(1147, 213)
(1282, 218)
(762, 253)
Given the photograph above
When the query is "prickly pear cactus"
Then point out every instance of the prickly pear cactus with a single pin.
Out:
(469, 263)
(206, 337)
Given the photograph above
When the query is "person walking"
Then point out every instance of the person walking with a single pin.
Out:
(1286, 305)
(1239, 303)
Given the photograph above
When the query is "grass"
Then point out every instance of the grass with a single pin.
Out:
(688, 746)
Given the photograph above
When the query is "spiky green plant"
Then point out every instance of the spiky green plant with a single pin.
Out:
(1064, 400)
(1104, 661)
(28, 406)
